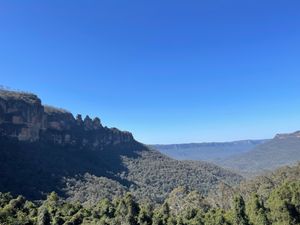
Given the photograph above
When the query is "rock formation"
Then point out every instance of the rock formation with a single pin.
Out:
(23, 116)
(288, 135)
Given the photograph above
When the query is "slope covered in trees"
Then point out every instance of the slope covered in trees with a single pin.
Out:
(281, 206)
(282, 150)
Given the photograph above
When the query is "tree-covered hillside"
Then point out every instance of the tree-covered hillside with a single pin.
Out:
(282, 150)
(281, 206)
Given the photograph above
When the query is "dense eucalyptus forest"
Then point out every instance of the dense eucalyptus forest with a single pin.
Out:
(270, 199)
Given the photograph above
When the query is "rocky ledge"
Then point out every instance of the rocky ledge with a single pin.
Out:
(288, 135)
(23, 116)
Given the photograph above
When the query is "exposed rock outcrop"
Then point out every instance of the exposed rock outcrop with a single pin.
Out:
(23, 116)
(288, 135)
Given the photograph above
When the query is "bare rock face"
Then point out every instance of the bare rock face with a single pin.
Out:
(58, 119)
(88, 123)
(288, 136)
(97, 123)
(79, 120)
(23, 116)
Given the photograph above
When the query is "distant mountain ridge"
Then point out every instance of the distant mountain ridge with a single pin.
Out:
(248, 158)
(46, 149)
(207, 151)
(282, 150)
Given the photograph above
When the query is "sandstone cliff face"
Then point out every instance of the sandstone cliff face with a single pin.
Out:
(23, 116)
(288, 136)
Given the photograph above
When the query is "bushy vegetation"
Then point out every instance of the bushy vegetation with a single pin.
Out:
(279, 205)
(281, 208)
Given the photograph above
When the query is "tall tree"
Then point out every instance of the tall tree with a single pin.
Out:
(284, 203)
(239, 211)
(145, 215)
(256, 211)
(127, 210)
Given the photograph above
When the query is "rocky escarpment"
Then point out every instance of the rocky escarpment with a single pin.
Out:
(295, 134)
(22, 116)
(45, 149)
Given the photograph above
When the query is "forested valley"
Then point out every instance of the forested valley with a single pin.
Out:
(269, 199)
(57, 169)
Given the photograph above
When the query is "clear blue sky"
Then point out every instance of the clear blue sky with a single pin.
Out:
(168, 71)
